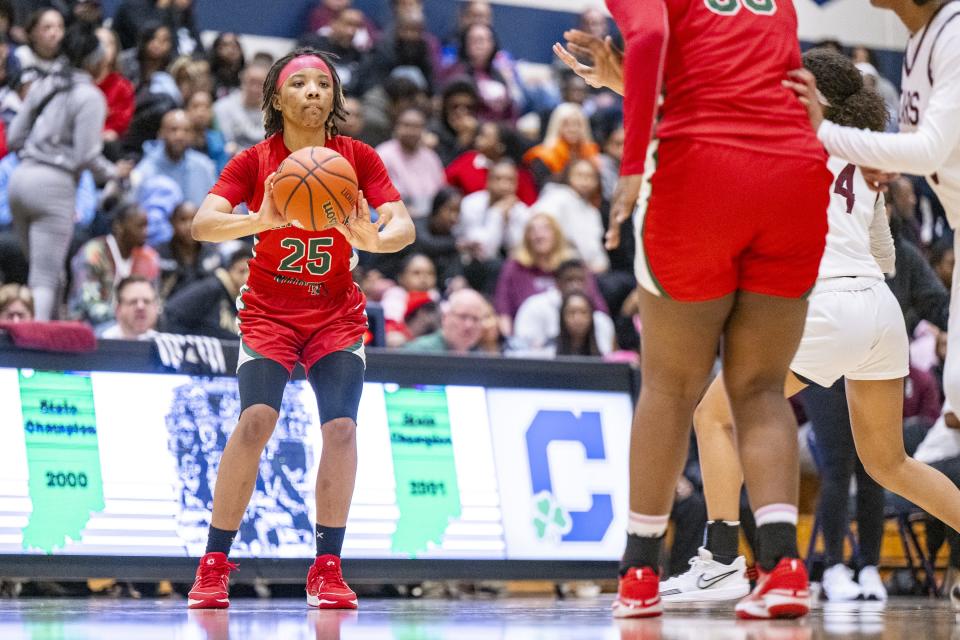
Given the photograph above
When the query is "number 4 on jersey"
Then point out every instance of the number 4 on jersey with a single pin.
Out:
(732, 7)
(844, 186)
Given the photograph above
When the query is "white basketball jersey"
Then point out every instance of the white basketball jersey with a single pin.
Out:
(932, 53)
(852, 208)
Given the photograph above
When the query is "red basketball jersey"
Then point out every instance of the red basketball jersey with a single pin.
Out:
(291, 261)
(720, 64)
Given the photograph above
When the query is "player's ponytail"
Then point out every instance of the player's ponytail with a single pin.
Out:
(849, 102)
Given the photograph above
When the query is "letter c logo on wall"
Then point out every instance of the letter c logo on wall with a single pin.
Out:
(551, 520)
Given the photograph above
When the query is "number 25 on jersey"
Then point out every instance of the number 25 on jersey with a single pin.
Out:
(732, 7)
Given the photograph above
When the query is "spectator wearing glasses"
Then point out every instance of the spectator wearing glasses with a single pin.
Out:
(461, 326)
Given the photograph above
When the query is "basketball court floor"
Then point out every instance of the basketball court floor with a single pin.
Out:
(504, 619)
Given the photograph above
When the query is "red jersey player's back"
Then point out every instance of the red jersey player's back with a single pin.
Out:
(291, 261)
(722, 64)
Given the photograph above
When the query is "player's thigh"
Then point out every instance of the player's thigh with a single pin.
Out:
(690, 229)
(262, 382)
(876, 416)
(679, 343)
(759, 343)
(266, 332)
(337, 381)
(789, 204)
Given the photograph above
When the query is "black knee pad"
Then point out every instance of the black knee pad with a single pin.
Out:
(337, 381)
(262, 381)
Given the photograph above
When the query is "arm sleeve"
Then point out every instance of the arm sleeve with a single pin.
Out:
(919, 152)
(239, 178)
(88, 136)
(22, 122)
(372, 176)
(645, 30)
(881, 241)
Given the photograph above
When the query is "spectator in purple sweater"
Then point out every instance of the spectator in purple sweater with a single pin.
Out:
(531, 270)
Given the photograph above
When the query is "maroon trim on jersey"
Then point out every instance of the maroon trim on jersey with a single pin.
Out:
(934, 44)
(909, 65)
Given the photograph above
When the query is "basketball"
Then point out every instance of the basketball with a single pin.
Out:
(315, 188)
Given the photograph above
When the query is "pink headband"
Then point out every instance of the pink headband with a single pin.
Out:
(298, 64)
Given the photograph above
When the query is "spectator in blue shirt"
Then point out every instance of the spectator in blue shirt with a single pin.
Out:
(172, 156)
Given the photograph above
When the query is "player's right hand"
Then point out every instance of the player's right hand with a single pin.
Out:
(269, 216)
(607, 69)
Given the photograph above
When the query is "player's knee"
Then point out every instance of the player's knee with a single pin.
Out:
(339, 433)
(886, 467)
(750, 387)
(256, 425)
(706, 419)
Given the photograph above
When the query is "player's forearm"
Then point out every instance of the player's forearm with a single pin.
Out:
(645, 30)
(211, 225)
(396, 235)
(920, 153)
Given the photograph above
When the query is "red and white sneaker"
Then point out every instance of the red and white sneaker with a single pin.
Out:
(325, 586)
(782, 593)
(639, 595)
(211, 589)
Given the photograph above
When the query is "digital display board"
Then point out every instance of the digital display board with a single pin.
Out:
(124, 464)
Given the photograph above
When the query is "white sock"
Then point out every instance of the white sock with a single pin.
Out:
(777, 512)
(647, 526)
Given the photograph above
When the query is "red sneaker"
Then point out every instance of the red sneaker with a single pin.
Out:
(211, 589)
(639, 595)
(325, 586)
(782, 593)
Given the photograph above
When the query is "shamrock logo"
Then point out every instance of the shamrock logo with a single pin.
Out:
(550, 520)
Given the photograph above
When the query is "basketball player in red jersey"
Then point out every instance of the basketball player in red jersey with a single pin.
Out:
(731, 227)
(299, 305)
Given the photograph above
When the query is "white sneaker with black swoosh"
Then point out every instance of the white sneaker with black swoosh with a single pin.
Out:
(707, 581)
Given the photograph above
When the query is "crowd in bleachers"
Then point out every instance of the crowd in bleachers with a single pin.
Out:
(115, 127)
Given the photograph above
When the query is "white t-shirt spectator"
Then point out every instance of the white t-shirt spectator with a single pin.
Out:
(581, 222)
(489, 226)
(537, 325)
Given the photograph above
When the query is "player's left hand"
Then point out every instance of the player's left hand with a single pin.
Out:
(621, 207)
(360, 230)
(804, 84)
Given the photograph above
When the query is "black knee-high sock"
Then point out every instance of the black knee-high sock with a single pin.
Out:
(220, 540)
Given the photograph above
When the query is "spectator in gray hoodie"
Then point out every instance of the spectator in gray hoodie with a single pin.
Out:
(57, 134)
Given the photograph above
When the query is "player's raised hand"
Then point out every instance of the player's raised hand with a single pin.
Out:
(804, 84)
(621, 207)
(269, 215)
(359, 229)
(607, 67)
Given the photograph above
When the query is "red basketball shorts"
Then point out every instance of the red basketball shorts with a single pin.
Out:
(715, 219)
(288, 329)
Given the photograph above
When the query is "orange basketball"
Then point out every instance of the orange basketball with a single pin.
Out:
(314, 188)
